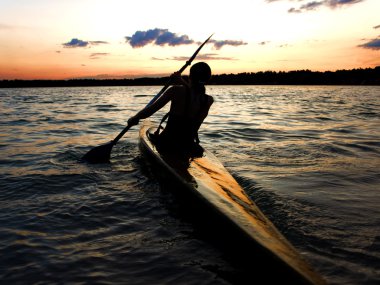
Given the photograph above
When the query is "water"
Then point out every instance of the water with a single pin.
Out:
(308, 156)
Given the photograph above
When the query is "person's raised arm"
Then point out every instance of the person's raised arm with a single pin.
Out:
(153, 108)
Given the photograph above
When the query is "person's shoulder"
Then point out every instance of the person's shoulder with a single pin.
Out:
(177, 93)
(179, 87)
(174, 90)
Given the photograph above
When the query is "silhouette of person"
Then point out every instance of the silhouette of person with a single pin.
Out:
(189, 107)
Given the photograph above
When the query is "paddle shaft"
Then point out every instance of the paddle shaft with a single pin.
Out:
(121, 134)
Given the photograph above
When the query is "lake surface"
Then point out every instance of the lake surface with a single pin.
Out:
(308, 156)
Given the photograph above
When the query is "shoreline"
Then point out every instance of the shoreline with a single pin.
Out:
(357, 77)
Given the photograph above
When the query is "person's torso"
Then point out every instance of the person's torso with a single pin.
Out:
(187, 111)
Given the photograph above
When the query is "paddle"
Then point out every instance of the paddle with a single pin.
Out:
(102, 153)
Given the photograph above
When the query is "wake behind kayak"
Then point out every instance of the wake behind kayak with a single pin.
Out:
(241, 223)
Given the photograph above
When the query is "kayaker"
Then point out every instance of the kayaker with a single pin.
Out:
(189, 107)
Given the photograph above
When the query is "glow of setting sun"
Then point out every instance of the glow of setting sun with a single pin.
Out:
(88, 38)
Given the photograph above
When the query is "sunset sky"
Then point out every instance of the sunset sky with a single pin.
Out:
(62, 39)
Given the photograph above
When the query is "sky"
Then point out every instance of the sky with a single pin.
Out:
(64, 39)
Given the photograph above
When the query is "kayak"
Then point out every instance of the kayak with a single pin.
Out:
(249, 231)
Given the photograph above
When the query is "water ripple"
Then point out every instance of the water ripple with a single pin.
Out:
(307, 155)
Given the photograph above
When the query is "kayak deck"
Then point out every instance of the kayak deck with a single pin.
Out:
(207, 179)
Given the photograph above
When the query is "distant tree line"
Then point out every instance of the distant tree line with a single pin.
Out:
(367, 76)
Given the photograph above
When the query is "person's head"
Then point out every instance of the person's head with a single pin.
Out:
(200, 73)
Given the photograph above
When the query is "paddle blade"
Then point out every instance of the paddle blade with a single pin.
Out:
(99, 154)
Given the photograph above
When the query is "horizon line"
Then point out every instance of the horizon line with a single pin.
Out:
(162, 75)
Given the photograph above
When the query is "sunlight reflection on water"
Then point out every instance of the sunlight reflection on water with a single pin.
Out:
(309, 156)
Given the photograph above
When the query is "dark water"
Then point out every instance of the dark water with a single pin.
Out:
(308, 156)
